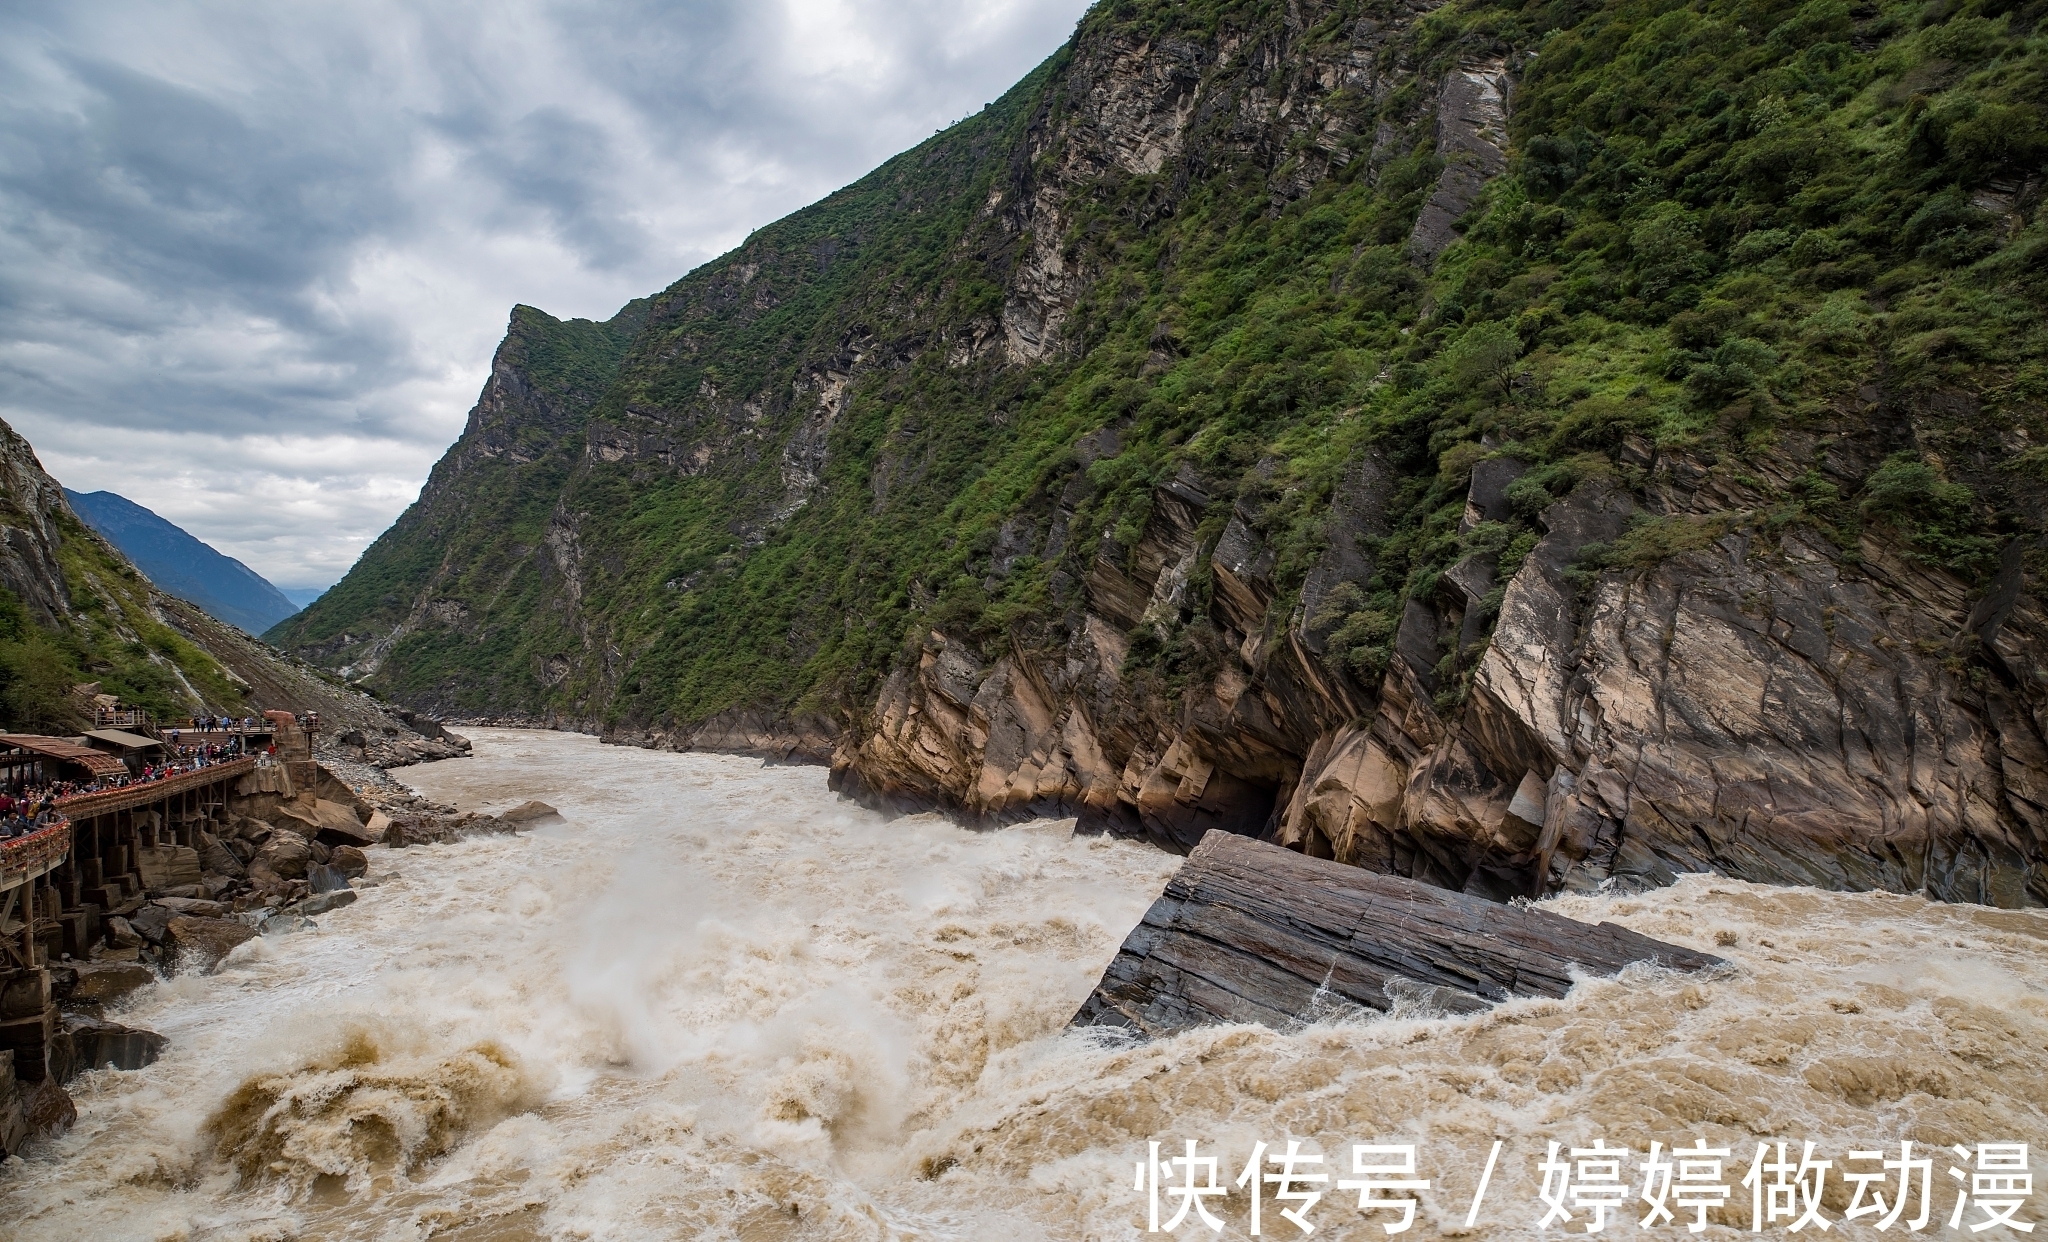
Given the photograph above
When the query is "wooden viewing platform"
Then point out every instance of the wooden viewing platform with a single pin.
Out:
(105, 801)
(27, 858)
(109, 851)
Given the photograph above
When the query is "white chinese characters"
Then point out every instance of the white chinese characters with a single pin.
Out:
(1783, 1186)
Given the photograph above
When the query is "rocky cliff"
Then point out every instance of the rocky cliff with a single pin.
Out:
(1512, 446)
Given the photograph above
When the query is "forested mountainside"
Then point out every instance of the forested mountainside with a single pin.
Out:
(75, 612)
(1514, 444)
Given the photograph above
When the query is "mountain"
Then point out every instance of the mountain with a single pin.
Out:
(74, 611)
(301, 596)
(182, 565)
(1520, 445)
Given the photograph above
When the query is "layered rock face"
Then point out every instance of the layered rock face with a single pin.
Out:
(30, 502)
(1248, 933)
(1752, 707)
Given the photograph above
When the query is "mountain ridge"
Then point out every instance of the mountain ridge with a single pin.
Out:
(75, 613)
(1293, 419)
(182, 564)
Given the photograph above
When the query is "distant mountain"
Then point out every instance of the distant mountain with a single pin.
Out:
(303, 596)
(187, 568)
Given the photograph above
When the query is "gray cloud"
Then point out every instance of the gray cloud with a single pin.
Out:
(254, 257)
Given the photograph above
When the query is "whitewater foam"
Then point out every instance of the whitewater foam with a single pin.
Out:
(716, 1002)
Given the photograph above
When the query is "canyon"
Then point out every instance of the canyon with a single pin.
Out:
(1571, 548)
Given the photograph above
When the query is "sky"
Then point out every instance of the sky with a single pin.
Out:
(254, 258)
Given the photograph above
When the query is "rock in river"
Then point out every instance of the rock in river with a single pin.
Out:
(1254, 933)
(103, 983)
(200, 944)
(530, 814)
(88, 1043)
(325, 901)
(323, 878)
(349, 860)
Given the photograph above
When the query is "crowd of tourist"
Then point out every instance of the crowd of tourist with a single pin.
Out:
(189, 759)
(21, 816)
(216, 724)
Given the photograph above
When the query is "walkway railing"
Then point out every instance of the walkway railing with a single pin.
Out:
(142, 793)
(25, 858)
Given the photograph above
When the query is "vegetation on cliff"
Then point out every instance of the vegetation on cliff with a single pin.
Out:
(1719, 225)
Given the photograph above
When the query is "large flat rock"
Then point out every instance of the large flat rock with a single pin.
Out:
(1254, 933)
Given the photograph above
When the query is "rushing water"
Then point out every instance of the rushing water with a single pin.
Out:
(718, 1003)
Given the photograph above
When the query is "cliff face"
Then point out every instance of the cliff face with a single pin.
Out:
(1350, 425)
(484, 528)
(1751, 707)
(33, 503)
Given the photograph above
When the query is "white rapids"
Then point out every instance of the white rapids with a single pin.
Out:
(719, 1003)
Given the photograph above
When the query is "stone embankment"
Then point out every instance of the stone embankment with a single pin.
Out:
(181, 887)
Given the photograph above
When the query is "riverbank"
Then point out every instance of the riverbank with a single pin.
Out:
(714, 1000)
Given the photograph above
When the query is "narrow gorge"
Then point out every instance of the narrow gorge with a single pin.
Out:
(1522, 447)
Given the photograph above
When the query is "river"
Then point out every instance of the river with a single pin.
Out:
(718, 1002)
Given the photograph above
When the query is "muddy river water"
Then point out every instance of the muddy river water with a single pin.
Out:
(718, 1002)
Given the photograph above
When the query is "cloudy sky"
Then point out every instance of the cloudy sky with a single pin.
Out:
(254, 257)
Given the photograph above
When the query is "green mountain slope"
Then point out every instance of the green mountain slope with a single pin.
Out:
(1239, 355)
(75, 612)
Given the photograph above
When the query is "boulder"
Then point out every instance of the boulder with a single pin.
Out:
(26, 992)
(286, 924)
(295, 817)
(105, 983)
(13, 1125)
(337, 825)
(167, 866)
(205, 909)
(529, 814)
(92, 1043)
(349, 860)
(121, 934)
(325, 879)
(324, 902)
(49, 1110)
(149, 922)
(199, 944)
(1247, 932)
(286, 854)
(331, 788)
